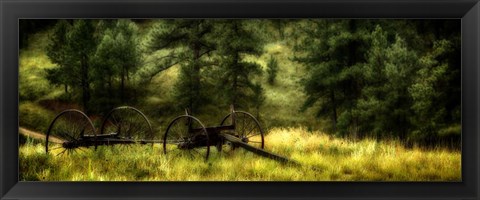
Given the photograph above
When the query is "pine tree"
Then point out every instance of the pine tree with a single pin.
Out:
(236, 75)
(377, 83)
(385, 105)
(189, 40)
(332, 54)
(57, 52)
(117, 58)
(73, 57)
(272, 70)
(428, 91)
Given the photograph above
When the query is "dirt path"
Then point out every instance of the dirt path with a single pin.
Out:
(37, 135)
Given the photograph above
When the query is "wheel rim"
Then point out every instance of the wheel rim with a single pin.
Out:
(68, 131)
(127, 123)
(247, 128)
(186, 136)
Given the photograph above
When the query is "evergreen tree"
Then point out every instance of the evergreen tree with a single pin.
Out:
(333, 55)
(117, 57)
(189, 40)
(81, 44)
(280, 25)
(272, 70)
(57, 52)
(385, 105)
(429, 91)
(235, 74)
(374, 82)
(74, 57)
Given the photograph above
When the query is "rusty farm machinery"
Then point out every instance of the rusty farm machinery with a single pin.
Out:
(72, 129)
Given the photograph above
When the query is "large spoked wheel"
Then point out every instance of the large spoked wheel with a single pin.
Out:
(127, 124)
(69, 131)
(187, 136)
(246, 128)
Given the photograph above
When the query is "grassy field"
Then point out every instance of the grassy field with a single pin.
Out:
(322, 158)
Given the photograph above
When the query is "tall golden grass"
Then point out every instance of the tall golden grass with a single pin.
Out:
(322, 158)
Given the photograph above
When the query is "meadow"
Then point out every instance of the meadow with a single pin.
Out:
(299, 134)
(322, 158)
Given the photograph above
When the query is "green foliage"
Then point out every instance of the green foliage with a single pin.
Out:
(72, 49)
(385, 109)
(371, 81)
(272, 70)
(95, 62)
(58, 52)
(358, 78)
(188, 41)
(332, 53)
(428, 91)
(280, 26)
(116, 60)
(235, 75)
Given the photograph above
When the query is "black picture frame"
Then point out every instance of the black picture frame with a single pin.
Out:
(12, 10)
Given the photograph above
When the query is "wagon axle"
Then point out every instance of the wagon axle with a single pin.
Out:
(198, 139)
(127, 125)
(237, 129)
(122, 125)
(70, 145)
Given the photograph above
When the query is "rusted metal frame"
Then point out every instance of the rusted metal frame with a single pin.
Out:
(213, 129)
(258, 151)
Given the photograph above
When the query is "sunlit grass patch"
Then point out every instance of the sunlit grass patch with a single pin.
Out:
(322, 158)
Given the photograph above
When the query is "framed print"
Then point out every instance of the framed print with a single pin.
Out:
(239, 99)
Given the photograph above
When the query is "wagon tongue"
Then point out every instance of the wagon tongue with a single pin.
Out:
(242, 143)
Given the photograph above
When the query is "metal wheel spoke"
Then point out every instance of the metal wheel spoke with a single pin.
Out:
(186, 131)
(70, 126)
(115, 119)
(174, 141)
(249, 125)
(56, 148)
(243, 128)
(246, 127)
(61, 152)
(129, 124)
(253, 135)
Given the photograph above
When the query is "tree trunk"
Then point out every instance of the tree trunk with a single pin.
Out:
(353, 82)
(122, 86)
(85, 84)
(195, 78)
(110, 88)
(235, 80)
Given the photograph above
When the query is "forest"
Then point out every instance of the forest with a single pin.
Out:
(390, 83)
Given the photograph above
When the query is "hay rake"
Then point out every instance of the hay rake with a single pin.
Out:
(72, 130)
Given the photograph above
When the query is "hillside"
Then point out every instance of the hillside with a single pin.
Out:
(349, 99)
(281, 107)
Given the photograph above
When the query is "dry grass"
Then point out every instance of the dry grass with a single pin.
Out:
(323, 158)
